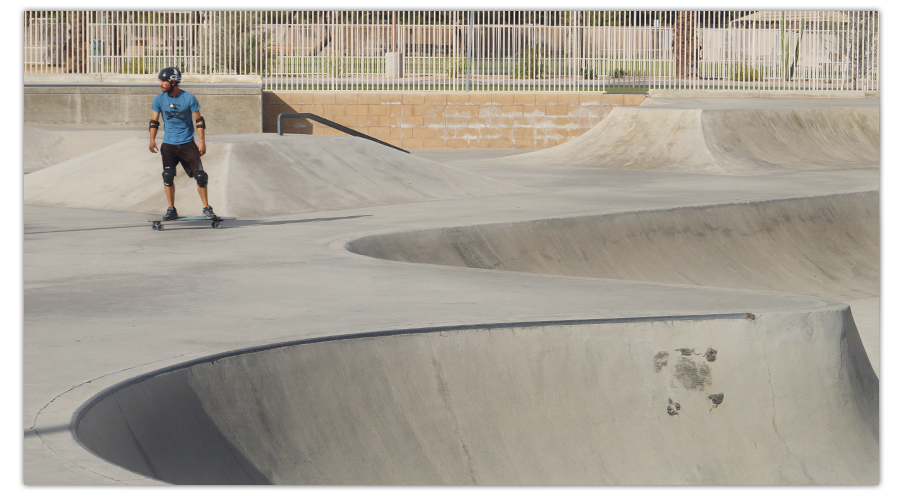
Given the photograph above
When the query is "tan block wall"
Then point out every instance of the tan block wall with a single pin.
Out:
(448, 120)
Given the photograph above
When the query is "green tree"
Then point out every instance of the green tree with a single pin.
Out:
(242, 46)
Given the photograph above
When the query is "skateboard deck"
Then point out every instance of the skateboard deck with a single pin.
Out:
(157, 224)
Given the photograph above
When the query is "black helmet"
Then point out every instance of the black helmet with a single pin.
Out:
(170, 74)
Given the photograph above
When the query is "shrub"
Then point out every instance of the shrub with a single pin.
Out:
(532, 64)
(333, 66)
(135, 66)
(744, 73)
(588, 73)
(454, 66)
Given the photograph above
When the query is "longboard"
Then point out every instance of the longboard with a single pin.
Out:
(158, 224)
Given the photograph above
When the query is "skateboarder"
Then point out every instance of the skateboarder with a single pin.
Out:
(180, 110)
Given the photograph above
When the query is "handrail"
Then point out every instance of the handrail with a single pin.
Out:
(336, 126)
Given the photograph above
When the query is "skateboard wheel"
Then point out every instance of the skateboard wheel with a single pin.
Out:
(155, 225)
(216, 224)
(160, 227)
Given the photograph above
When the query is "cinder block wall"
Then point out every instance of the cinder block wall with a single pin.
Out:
(448, 120)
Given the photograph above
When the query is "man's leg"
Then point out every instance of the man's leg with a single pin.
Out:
(169, 161)
(169, 186)
(202, 179)
(192, 162)
(203, 196)
(170, 194)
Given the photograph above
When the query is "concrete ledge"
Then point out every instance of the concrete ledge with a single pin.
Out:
(233, 107)
(822, 94)
(749, 93)
(69, 79)
(135, 89)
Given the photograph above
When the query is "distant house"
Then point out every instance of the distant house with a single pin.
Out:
(792, 19)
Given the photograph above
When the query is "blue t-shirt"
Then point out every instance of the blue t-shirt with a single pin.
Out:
(176, 113)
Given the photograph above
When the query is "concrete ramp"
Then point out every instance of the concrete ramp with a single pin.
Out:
(718, 138)
(825, 246)
(51, 145)
(254, 175)
(781, 399)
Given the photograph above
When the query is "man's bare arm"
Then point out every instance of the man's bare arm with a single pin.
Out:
(201, 132)
(153, 130)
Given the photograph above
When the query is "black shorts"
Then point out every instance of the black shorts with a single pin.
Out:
(188, 154)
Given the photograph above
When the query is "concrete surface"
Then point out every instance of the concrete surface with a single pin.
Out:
(51, 145)
(735, 136)
(756, 246)
(252, 175)
(114, 78)
(268, 352)
(499, 405)
(232, 108)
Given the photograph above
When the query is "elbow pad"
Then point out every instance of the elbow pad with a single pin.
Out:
(154, 124)
(201, 122)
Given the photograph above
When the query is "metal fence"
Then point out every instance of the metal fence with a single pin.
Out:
(471, 50)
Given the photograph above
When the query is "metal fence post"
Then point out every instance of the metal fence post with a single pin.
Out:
(471, 42)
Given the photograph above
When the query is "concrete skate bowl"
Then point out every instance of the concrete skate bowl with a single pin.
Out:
(257, 175)
(723, 140)
(780, 398)
(825, 246)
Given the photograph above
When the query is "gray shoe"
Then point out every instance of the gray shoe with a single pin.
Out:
(208, 212)
(171, 214)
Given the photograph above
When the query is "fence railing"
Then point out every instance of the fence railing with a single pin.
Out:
(471, 50)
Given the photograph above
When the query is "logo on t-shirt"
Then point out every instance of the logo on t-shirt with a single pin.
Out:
(175, 114)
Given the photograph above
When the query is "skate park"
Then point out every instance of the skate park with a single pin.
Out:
(463, 316)
(657, 288)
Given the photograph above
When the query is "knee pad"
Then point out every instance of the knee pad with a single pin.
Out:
(202, 178)
(168, 176)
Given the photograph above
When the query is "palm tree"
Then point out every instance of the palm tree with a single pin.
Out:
(76, 49)
(686, 45)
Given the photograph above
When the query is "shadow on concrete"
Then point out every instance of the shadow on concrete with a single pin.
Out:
(45, 430)
(251, 222)
(27, 232)
(133, 428)
(198, 224)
